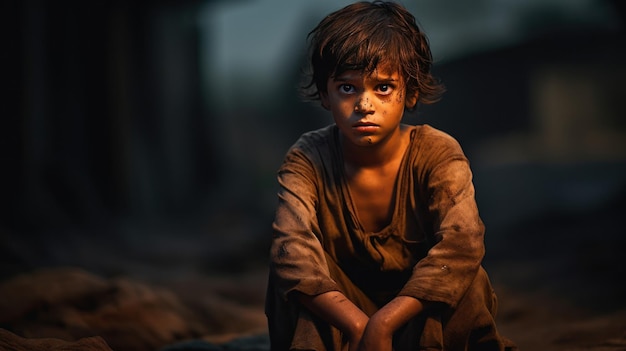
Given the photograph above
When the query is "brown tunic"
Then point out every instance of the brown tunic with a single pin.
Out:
(432, 249)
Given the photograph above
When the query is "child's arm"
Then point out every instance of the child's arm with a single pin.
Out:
(453, 261)
(367, 334)
(336, 309)
(379, 332)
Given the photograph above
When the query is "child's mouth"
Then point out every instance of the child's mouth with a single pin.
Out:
(365, 127)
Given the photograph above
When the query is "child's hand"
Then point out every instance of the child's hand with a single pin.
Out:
(377, 337)
(335, 308)
(355, 335)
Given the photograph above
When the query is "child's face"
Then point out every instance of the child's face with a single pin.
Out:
(367, 108)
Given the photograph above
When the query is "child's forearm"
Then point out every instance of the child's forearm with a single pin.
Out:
(336, 309)
(398, 312)
(378, 334)
(395, 314)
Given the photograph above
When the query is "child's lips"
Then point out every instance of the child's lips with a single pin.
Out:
(365, 127)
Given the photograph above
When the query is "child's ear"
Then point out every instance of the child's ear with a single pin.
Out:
(411, 100)
(324, 100)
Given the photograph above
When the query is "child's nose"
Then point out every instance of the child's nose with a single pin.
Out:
(363, 105)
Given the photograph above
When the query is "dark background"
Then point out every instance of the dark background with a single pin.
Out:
(132, 145)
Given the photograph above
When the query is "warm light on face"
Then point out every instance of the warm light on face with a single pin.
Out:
(366, 107)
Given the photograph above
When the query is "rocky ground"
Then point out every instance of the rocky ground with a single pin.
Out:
(226, 313)
(560, 281)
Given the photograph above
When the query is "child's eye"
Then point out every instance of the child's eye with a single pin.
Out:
(346, 88)
(385, 88)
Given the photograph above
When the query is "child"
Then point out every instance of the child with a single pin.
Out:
(377, 241)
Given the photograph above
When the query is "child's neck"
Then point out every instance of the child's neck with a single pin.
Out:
(386, 152)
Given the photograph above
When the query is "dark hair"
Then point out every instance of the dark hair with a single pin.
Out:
(364, 34)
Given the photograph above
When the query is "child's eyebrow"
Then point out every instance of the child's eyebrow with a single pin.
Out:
(385, 79)
(378, 79)
(346, 77)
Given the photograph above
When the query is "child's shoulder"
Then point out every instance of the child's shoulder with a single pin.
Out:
(315, 139)
(426, 134)
(433, 146)
(313, 146)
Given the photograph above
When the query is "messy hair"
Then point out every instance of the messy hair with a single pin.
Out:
(365, 34)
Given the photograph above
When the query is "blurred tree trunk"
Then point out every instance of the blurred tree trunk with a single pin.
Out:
(104, 115)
